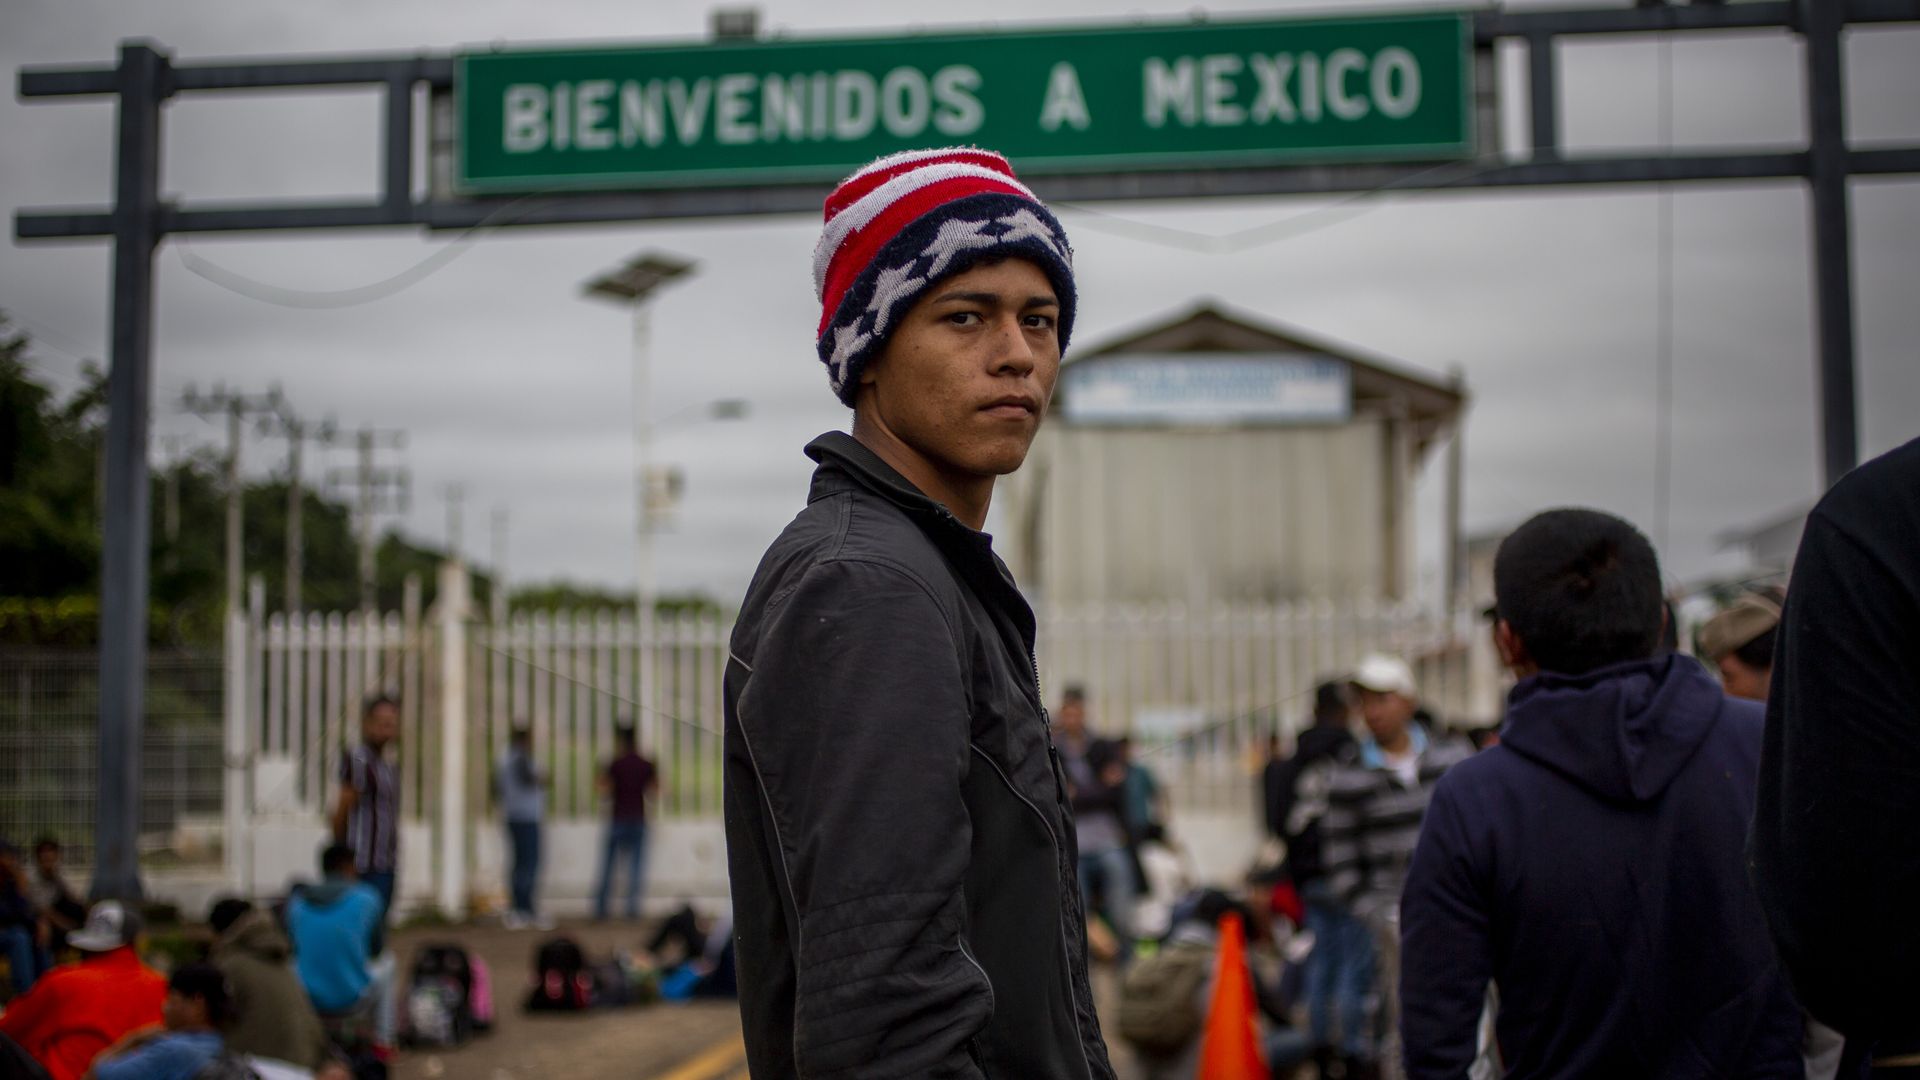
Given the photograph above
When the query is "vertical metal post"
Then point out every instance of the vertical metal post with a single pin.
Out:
(1820, 24)
(1543, 109)
(143, 77)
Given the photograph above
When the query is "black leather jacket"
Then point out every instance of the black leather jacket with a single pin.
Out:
(900, 848)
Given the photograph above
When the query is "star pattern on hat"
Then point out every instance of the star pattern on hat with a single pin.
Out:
(891, 286)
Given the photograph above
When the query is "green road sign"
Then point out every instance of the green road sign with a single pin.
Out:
(1181, 96)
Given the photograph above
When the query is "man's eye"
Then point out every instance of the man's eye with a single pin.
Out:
(1039, 322)
(964, 318)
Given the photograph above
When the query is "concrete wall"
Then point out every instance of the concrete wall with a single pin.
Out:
(1135, 515)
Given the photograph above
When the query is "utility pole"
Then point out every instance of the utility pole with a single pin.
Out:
(456, 496)
(373, 484)
(497, 599)
(175, 447)
(237, 408)
(298, 433)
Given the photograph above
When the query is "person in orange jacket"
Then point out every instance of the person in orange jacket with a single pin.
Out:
(76, 1011)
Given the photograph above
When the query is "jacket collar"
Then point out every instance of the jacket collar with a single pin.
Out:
(845, 461)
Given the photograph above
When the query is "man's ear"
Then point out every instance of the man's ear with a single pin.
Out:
(1513, 651)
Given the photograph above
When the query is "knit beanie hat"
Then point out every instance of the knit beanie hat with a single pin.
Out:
(909, 220)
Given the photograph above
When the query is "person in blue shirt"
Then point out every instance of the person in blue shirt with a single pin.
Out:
(336, 927)
(189, 1036)
(522, 789)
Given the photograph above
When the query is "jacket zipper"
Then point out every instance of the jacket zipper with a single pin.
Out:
(1053, 838)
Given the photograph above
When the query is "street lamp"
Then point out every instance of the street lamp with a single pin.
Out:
(633, 285)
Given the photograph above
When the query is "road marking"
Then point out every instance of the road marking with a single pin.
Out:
(708, 1064)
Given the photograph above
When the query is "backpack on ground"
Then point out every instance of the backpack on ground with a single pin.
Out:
(439, 1002)
(1160, 1007)
(480, 994)
(561, 981)
(611, 987)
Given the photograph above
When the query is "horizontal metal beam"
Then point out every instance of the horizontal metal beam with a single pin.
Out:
(573, 208)
(437, 69)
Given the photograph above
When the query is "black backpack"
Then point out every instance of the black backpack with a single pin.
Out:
(439, 1004)
(561, 981)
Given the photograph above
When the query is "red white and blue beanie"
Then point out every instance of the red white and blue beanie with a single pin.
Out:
(911, 219)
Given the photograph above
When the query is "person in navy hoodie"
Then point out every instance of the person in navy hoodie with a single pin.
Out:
(1590, 867)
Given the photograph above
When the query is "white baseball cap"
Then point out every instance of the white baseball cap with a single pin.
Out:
(1384, 675)
(109, 926)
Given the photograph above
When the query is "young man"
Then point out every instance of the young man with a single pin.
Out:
(79, 1010)
(901, 854)
(1096, 790)
(271, 1016)
(196, 1006)
(23, 929)
(630, 780)
(59, 905)
(1590, 865)
(366, 816)
(522, 788)
(338, 931)
(1836, 836)
(1375, 806)
(1339, 969)
(1739, 642)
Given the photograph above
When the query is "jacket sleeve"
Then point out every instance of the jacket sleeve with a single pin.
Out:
(1446, 953)
(1836, 855)
(856, 719)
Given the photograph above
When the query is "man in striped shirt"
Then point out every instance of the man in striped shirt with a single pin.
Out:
(366, 815)
(1374, 809)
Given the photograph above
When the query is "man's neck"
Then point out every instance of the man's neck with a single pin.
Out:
(966, 495)
(1398, 746)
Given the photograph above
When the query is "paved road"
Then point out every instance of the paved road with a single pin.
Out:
(658, 1042)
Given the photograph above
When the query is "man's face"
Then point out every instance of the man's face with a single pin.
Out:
(381, 725)
(1072, 718)
(1387, 715)
(1744, 681)
(968, 373)
(47, 859)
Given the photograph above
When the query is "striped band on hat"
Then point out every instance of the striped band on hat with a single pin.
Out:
(907, 220)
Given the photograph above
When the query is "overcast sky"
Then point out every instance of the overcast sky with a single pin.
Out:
(508, 383)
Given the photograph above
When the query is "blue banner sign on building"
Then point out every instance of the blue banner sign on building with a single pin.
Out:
(1156, 390)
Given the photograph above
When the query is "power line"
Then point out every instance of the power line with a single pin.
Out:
(326, 299)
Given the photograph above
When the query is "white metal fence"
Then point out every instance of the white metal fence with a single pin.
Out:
(1201, 690)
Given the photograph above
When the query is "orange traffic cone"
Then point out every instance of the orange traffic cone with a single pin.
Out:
(1230, 1046)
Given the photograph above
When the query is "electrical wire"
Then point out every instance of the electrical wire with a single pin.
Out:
(1287, 228)
(333, 299)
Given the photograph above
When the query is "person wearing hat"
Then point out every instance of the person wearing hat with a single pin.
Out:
(1739, 641)
(1374, 810)
(77, 1011)
(899, 848)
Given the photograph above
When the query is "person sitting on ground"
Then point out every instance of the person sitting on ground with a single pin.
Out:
(1739, 642)
(196, 1005)
(271, 1016)
(337, 931)
(59, 905)
(1165, 998)
(78, 1010)
(23, 934)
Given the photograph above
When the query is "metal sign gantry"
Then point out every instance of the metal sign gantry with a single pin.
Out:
(146, 78)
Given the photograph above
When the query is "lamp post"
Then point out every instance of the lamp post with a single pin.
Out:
(634, 284)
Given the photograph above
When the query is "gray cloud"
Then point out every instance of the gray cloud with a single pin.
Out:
(510, 383)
